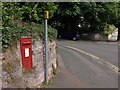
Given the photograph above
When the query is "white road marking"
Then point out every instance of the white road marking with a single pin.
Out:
(97, 59)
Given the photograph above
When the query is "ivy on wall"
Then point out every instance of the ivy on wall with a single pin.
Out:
(17, 29)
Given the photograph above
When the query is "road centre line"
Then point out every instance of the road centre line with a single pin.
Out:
(97, 59)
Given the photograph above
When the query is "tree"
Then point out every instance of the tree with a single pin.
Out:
(95, 16)
(27, 11)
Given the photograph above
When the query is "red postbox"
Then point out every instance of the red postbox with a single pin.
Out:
(26, 52)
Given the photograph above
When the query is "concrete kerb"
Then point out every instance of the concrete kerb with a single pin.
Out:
(97, 59)
(112, 43)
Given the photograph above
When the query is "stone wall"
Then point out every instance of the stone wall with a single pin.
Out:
(14, 76)
(100, 37)
(94, 37)
(0, 70)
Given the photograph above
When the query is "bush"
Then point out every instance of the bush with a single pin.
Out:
(13, 31)
(109, 29)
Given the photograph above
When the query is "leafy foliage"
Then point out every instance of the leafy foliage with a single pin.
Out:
(65, 16)
(27, 11)
(108, 29)
(14, 18)
(13, 32)
(95, 15)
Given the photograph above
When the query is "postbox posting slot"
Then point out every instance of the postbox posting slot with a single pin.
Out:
(26, 42)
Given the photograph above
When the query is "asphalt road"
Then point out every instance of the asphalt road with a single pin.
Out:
(103, 50)
(78, 70)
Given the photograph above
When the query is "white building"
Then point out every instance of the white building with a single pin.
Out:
(113, 36)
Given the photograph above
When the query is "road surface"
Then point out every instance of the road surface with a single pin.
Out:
(78, 70)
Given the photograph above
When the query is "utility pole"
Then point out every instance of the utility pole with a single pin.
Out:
(46, 47)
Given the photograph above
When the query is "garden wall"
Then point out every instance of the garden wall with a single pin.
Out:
(14, 76)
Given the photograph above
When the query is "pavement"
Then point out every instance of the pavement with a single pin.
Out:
(65, 79)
